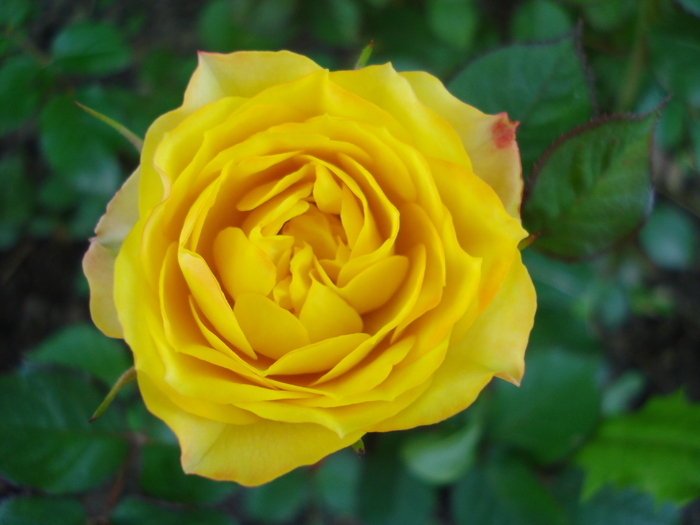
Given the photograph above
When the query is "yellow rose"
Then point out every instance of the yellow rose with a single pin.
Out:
(305, 256)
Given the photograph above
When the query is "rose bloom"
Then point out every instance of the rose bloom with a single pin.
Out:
(304, 256)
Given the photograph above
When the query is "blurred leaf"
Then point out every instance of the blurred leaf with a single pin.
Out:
(670, 130)
(74, 145)
(20, 92)
(593, 189)
(675, 51)
(338, 480)
(695, 142)
(14, 12)
(670, 238)
(656, 450)
(618, 396)
(543, 86)
(540, 20)
(402, 36)
(16, 198)
(91, 48)
(504, 491)
(692, 6)
(280, 500)
(454, 21)
(162, 477)
(39, 510)
(553, 411)
(389, 495)
(47, 440)
(230, 25)
(611, 507)
(439, 459)
(610, 14)
(84, 346)
(335, 22)
(134, 511)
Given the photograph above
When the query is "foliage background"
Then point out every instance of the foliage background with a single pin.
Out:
(589, 438)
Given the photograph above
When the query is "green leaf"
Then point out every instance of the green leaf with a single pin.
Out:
(540, 20)
(553, 411)
(692, 6)
(91, 48)
(611, 507)
(454, 21)
(162, 477)
(134, 511)
(39, 510)
(335, 22)
(229, 25)
(76, 148)
(16, 197)
(542, 86)
(656, 450)
(504, 491)
(675, 51)
(338, 482)
(618, 396)
(389, 495)
(280, 500)
(20, 92)
(593, 189)
(47, 440)
(83, 346)
(670, 238)
(611, 14)
(14, 12)
(439, 459)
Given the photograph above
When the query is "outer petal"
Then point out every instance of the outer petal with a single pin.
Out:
(250, 454)
(98, 263)
(488, 139)
(243, 74)
(494, 345)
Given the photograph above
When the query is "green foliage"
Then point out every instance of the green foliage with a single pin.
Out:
(135, 511)
(611, 507)
(544, 87)
(454, 21)
(534, 418)
(19, 100)
(504, 490)
(14, 12)
(389, 494)
(656, 450)
(440, 459)
(692, 6)
(592, 189)
(162, 478)
(39, 510)
(83, 346)
(540, 20)
(335, 22)
(338, 482)
(669, 239)
(90, 48)
(47, 442)
(16, 199)
(281, 500)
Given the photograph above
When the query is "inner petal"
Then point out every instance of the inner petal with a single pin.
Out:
(242, 266)
(271, 330)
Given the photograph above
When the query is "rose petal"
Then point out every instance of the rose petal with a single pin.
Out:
(488, 139)
(494, 345)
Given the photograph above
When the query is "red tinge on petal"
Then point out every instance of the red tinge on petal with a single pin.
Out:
(504, 131)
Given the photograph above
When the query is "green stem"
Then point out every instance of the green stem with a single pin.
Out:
(364, 56)
(126, 378)
(634, 73)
